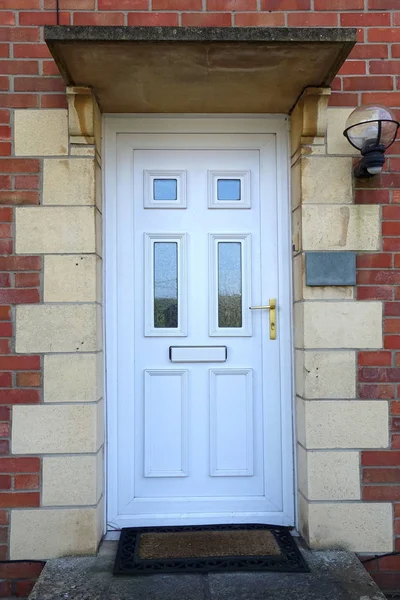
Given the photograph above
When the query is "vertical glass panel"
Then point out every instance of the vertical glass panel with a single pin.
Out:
(165, 189)
(165, 284)
(228, 189)
(229, 284)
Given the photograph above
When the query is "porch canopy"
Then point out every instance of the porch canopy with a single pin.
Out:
(198, 70)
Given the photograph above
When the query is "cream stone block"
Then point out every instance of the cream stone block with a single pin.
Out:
(70, 278)
(56, 328)
(73, 377)
(99, 188)
(69, 181)
(329, 374)
(299, 372)
(55, 230)
(61, 429)
(87, 151)
(342, 324)
(356, 527)
(71, 480)
(337, 143)
(295, 182)
(329, 227)
(298, 318)
(329, 475)
(344, 424)
(40, 132)
(327, 180)
(42, 534)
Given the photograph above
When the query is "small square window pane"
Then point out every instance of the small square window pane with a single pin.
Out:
(228, 189)
(165, 189)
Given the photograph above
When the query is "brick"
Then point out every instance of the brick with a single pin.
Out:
(367, 51)
(391, 341)
(28, 379)
(26, 182)
(5, 182)
(343, 99)
(3, 518)
(391, 213)
(39, 84)
(384, 493)
(20, 296)
(5, 132)
(19, 396)
(19, 67)
(285, 5)
(123, 4)
(85, 18)
(396, 51)
(153, 19)
(206, 19)
(5, 149)
(19, 363)
(391, 245)
(19, 165)
(19, 34)
(391, 326)
(375, 359)
(4, 346)
(43, 18)
(74, 4)
(365, 20)
(259, 19)
(5, 280)
(227, 5)
(392, 309)
(5, 482)
(386, 98)
(19, 197)
(389, 563)
(313, 20)
(177, 4)
(20, 500)
(378, 276)
(377, 292)
(376, 392)
(353, 67)
(5, 429)
(5, 230)
(372, 197)
(50, 67)
(386, 34)
(5, 586)
(339, 4)
(26, 482)
(21, 570)
(376, 458)
(5, 381)
(7, 18)
(383, 4)
(374, 261)
(6, 215)
(27, 280)
(4, 447)
(367, 83)
(31, 51)
(5, 313)
(375, 475)
(23, 588)
(53, 101)
(5, 329)
(381, 67)
(19, 100)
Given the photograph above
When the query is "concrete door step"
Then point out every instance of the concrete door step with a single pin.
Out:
(335, 575)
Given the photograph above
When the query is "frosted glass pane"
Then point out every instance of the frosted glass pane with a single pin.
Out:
(165, 189)
(228, 189)
(165, 284)
(229, 284)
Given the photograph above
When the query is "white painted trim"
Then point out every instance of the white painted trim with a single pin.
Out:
(245, 199)
(201, 124)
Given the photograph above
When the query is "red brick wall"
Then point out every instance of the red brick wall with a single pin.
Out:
(29, 79)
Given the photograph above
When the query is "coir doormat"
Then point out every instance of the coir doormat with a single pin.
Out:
(207, 548)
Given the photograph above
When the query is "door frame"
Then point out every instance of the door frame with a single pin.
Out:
(192, 124)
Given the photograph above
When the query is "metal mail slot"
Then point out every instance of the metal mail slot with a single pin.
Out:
(198, 353)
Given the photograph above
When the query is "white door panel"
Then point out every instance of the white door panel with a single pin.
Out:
(197, 441)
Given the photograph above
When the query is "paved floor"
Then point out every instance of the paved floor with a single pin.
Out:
(335, 575)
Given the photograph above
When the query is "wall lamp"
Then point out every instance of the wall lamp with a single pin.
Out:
(371, 129)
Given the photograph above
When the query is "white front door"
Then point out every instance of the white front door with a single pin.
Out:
(199, 424)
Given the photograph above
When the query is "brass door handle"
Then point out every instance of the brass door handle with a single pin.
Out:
(272, 316)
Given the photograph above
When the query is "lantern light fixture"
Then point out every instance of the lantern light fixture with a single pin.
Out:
(371, 129)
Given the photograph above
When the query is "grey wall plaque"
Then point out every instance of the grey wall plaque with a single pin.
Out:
(330, 268)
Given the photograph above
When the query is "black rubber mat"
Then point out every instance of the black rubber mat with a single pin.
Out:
(151, 550)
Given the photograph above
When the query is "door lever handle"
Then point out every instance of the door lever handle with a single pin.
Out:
(272, 316)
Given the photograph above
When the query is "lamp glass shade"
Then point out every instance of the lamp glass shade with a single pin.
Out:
(372, 124)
